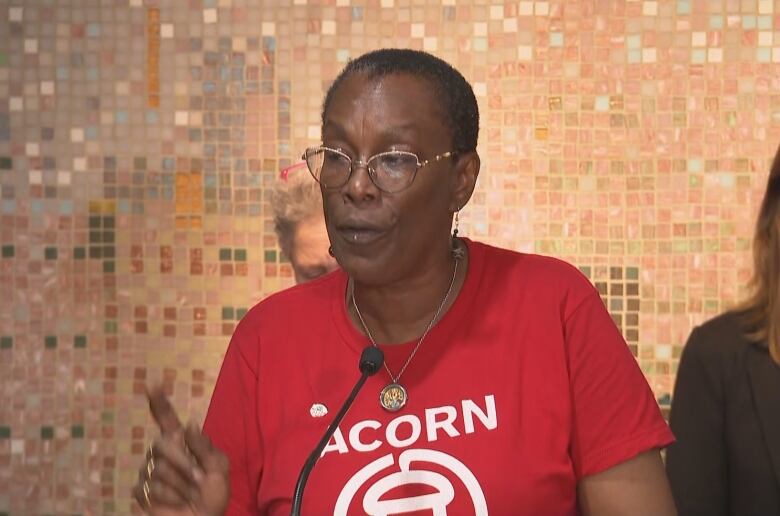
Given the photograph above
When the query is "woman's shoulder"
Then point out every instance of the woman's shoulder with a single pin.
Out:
(530, 262)
(728, 323)
(722, 337)
(545, 277)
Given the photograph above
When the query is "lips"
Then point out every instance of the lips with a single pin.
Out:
(359, 233)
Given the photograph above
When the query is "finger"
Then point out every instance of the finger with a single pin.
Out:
(210, 459)
(162, 411)
(166, 475)
(165, 496)
(170, 451)
(138, 494)
(138, 489)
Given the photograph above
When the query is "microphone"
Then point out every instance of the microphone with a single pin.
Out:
(370, 361)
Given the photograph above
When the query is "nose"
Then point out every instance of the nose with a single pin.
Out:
(360, 188)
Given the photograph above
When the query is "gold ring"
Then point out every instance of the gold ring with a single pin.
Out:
(149, 468)
(150, 464)
(146, 493)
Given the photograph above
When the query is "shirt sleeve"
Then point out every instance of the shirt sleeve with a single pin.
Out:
(232, 423)
(615, 415)
(696, 463)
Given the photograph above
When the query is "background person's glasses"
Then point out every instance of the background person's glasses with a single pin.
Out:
(390, 171)
(289, 171)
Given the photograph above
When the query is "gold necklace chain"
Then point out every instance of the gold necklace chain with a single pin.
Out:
(395, 379)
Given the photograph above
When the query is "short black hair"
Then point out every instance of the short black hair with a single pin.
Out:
(453, 91)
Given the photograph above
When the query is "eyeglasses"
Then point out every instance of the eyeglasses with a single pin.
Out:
(390, 171)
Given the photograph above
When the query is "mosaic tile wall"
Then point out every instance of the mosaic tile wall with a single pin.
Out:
(138, 139)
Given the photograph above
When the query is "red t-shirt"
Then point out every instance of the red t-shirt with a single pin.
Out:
(523, 387)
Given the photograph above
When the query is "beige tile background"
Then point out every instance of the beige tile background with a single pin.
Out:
(138, 139)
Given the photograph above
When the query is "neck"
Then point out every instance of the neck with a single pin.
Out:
(401, 311)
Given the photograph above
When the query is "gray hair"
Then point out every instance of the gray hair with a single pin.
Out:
(293, 202)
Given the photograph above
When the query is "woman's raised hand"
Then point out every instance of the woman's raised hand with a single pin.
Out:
(184, 474)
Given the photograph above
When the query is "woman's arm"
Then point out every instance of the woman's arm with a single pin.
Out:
(637, 487)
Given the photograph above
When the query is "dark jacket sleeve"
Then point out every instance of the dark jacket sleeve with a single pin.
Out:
(696, 463)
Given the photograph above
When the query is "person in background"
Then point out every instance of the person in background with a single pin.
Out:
(506, 387)
(300, 228)
(726, 405)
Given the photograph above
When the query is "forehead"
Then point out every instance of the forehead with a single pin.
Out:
(394, 98)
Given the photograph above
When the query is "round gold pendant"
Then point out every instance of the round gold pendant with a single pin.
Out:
(393, 397)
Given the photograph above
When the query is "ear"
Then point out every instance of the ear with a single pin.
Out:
(466, 173)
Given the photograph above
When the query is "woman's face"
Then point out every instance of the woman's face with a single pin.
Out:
(381, 237)
(310, 258)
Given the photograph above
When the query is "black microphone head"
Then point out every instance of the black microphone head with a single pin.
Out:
(371, 360)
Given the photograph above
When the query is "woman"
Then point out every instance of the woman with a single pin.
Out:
(507, 390)
(726, 405)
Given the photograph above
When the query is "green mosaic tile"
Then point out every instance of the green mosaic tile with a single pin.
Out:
(711, 305)
(634, 247)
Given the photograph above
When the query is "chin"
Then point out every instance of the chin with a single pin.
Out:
(367, 269)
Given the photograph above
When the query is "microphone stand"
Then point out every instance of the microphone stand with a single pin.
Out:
(370, 362)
